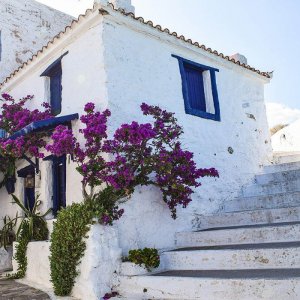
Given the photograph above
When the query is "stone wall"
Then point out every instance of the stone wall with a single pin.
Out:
(25, 27)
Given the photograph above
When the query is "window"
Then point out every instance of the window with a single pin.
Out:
(54, 73)
(199, 89)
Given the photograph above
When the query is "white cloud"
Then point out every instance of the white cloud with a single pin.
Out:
(280, 114)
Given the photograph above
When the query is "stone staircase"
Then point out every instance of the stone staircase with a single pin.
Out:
(250, 251)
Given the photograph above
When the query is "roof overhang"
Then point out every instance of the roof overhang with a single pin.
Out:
(43, 125)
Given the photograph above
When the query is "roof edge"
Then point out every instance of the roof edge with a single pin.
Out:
(102, 11)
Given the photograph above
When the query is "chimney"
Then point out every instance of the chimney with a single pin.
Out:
(123, 4)
(239, 57)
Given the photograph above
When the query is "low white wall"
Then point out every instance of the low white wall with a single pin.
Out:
(287, 139)
(38, 268)
(5, 259)
(102, 258)
(147, 221)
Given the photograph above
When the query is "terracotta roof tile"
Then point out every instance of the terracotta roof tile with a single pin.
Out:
(140, 19)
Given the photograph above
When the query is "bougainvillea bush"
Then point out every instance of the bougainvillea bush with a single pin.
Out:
(14, 116)
(139, 154)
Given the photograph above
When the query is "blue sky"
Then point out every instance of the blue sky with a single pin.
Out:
(265, 31)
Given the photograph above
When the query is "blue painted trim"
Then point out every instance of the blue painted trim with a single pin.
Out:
(200, 66)
(48, 71)
(215, 95)
(202, 114)
(25, 171)
(44, 125)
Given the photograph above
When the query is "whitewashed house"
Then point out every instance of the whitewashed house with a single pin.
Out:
(117, 60)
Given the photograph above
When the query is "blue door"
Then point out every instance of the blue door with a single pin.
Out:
(59, 183)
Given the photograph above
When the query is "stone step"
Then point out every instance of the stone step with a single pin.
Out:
(240, 235)
(263, 202)
(277, 177)
(214, 285)
(251, 217)
(239, 257)
(286, 157)
(288, 186)
(274, 168)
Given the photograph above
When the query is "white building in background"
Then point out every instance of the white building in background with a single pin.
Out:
(118, 61)
(287, 139)
(25, 27)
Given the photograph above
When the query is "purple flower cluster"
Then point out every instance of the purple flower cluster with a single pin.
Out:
(134, 133)
(109, 218)
(15, 116)
(176, 175)
(91, 162)
(63, 141)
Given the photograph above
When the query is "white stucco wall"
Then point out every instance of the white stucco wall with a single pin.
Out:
(25, 27)
(121, 63)
(287, 139)
(139, 69)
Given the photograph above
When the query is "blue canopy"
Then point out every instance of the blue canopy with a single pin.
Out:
(44, 125)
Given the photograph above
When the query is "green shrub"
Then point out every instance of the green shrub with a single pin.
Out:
(68, 246)
(37, 225)
(147, 257)
(21, 249)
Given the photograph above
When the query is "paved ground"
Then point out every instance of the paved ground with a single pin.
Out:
(11, 290)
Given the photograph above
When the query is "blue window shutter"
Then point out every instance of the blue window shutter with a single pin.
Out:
(193, 88)
(54, 72)
(195, 85)
(59, 183)
(62, 180)
(55, 198)
(56, 89)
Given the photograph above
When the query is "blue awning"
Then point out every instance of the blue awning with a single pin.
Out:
(44, 125)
